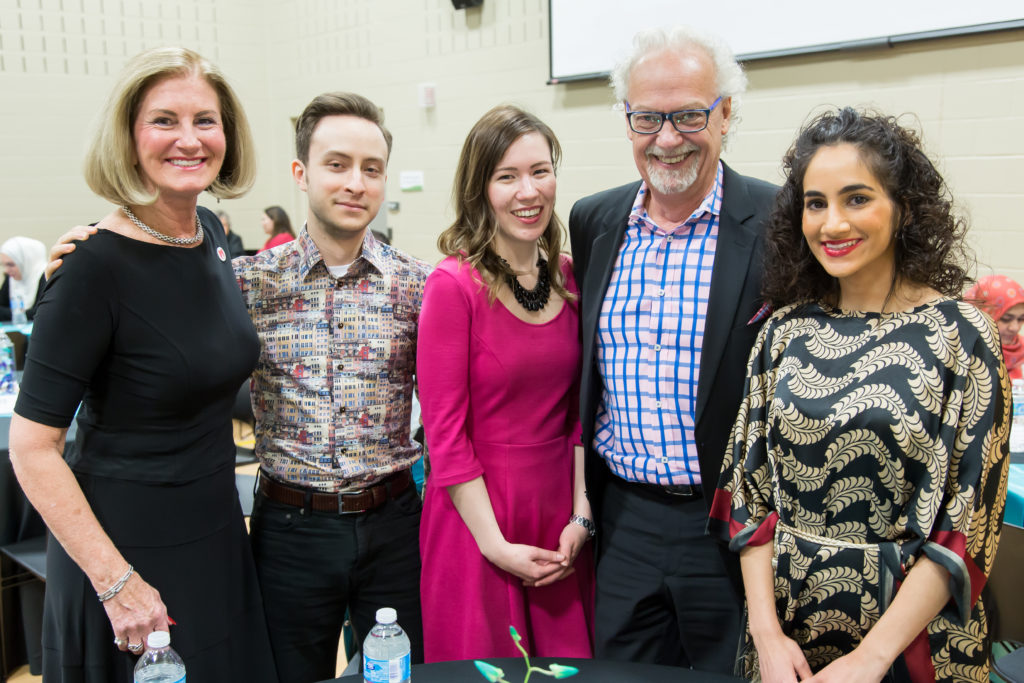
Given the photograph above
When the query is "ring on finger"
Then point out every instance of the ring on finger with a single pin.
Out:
(136, 647)
(120, 642)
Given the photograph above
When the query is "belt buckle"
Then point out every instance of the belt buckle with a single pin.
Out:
(681, 490)
(341, 502)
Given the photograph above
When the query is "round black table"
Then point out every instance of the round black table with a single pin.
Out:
(591, 671)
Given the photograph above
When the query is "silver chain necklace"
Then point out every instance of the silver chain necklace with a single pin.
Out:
(186, 241)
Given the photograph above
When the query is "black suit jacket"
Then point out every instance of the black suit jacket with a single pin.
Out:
(596, 226)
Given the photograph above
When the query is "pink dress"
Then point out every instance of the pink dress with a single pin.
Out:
(499, 399)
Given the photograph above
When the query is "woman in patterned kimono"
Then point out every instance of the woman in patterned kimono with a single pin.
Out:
(864, 489)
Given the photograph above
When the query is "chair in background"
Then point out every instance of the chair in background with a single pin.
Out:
(246, 485)
(21, 563)
(244, 425)
(1006, 601)
(20, 343)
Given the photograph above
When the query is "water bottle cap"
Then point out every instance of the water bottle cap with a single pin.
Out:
(387, 615)
(158, 639)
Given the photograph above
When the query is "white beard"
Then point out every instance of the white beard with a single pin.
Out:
(668, 181)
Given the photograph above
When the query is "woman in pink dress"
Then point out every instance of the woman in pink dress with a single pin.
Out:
(505, 518)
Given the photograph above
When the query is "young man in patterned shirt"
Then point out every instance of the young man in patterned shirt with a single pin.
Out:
(335, 524)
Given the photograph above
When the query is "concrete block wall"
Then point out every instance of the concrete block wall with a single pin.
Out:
(58, 59)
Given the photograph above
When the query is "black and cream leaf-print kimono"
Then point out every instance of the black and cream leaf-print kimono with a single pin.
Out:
(864, 442)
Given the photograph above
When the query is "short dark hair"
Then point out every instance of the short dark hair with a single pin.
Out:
(929, 239)
(335, 104)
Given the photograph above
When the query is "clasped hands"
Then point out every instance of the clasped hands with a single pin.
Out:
(537, 566)
(782, 661)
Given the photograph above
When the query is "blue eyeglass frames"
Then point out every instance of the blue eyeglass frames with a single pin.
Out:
(684, 120)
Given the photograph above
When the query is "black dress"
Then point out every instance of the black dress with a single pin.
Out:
(155, 341)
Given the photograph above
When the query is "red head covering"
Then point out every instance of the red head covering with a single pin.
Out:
(996, 294)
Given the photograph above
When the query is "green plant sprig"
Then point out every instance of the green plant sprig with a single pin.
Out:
(495, 675)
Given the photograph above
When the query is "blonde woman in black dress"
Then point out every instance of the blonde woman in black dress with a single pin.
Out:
(145, 325)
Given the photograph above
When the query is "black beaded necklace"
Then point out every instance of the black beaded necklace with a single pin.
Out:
(531, 299)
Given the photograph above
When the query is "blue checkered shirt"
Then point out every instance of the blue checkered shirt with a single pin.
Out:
(649, 339)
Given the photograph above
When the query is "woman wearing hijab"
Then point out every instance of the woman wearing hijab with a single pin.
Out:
(1003, 299)
(23, 259)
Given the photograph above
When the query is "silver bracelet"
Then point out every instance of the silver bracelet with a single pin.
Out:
(585, 523)
(116, 588)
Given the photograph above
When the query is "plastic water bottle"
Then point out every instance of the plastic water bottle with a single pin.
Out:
(18, 316)
(386, 651)
(1017, 426)
(159, 664)
(7, 383)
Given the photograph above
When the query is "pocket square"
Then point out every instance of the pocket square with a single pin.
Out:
(762, 313)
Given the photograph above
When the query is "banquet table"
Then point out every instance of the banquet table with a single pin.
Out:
(591, 671)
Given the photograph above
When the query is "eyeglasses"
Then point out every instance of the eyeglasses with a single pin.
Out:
(684, 120)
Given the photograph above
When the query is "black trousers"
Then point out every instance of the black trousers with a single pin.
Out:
(313, 566)
(663, 596)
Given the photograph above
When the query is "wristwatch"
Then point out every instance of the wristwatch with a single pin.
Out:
(585, 523)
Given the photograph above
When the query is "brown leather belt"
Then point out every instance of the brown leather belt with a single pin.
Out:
(341, 503)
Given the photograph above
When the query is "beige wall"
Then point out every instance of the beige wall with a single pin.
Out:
(58, 57)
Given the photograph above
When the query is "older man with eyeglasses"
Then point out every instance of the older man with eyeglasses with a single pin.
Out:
(669, 269)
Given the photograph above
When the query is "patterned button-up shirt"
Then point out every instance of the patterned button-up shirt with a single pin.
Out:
(333, 386)
(649, 339)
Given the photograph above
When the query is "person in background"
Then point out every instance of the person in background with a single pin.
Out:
(277, 226)
(506, 519)
(1003, 299)
(23, 259)
(145, 519)
(235, 246)
(669, 270)
(865, 484)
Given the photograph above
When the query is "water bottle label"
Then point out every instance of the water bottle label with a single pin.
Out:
(386, 670)
(180, 680)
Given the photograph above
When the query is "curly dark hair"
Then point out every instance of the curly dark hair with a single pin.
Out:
(929, 237)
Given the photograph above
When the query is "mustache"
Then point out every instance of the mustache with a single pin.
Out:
(685, 148)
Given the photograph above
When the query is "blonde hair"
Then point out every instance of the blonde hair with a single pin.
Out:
(471, 236)
(109, 167)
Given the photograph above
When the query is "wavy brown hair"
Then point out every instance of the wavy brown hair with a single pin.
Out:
(929, 236)
(471, 236)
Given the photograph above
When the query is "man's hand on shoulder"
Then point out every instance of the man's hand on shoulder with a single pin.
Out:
(65, 245)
